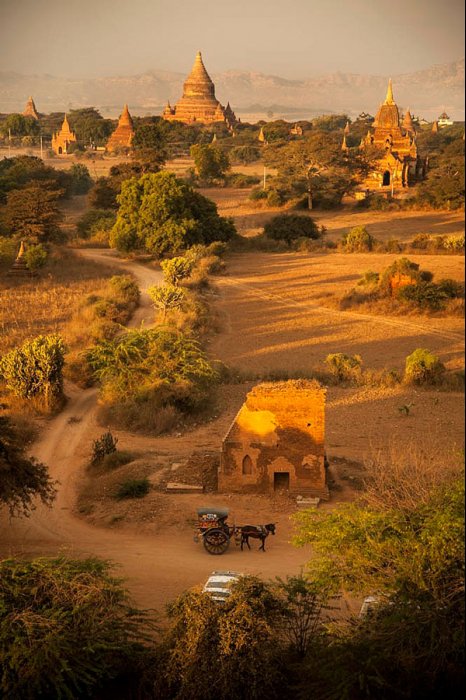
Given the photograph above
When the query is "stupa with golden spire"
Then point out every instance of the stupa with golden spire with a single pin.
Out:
(198, 103)
(123, 135)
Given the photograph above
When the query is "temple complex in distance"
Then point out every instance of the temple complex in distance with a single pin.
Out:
(198, 103)
(62, 139)
(30, 109)
(123, 135)
(401, 165)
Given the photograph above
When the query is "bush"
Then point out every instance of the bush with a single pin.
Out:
(167, 297)
(289, 227)
(245, 154)
(241, 180)
(81, 181)
(369, 279)
(105, 445)
(133, 488)
(402, 267)
(426, 295)
(423, 367)
(358, 240)
(34, 371)
(258, 194)
(35, 256)
(176, 269)
(95, 221)
(344, 367)
(124, 288)
(66, 629)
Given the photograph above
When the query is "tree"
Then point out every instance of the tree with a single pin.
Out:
(19, 125)
(358, 240)
(21, 479)
(412, 558)
(26, 171)
(177, 269)
(211, 162)
(32, 213)
(162, 214)
(80, 178)
(34, 371)
(67, 628)
(35, 256)
(90, 126)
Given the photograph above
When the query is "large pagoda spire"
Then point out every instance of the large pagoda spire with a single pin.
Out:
(389, 98)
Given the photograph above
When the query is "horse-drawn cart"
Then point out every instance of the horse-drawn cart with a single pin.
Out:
(213, 529)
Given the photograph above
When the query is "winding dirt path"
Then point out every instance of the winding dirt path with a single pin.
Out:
(157, 567)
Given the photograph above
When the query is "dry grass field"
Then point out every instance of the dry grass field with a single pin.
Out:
(45, 304)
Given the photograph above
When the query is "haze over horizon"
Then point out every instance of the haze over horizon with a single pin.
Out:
(98, 38)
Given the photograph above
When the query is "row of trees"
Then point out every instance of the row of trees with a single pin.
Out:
(68, 628)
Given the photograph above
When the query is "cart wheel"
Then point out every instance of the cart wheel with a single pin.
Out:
(216, 541)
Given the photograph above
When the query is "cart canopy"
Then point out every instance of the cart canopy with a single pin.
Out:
(218, 512)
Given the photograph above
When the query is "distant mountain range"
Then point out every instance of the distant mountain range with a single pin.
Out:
(251, 94)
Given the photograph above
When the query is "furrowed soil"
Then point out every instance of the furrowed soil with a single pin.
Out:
(274, 319)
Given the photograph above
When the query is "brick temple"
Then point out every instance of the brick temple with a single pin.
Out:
(62, 140)
(276, 442)
(123, 135)
(198, 103)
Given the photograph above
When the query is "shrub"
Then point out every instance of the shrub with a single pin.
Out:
(358, 240)
(344, 367)
(241, 180)
(35, 256)
(66, 628)
(81, 181)
(369, 279)
(34, 371)
(423, 367)
(245, 154)
(454, 244)
(402, 267)
(274, 198)
(289, 227)
(133, 488)
(258, 194)
(176, 269)
(124, 288)
(426, 295)
(166, 297)
(105, 445)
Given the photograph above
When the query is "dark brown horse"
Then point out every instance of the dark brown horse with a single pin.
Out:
(257, 532)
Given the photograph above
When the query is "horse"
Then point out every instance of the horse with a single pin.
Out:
(257, 532)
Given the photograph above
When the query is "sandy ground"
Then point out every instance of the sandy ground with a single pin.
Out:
(273, 318)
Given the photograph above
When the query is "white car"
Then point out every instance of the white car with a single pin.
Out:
(218, 585)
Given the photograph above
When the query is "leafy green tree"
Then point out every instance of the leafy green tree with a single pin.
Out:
(95, 220)
(32, 213)
(289, 227)
(26, 171)
(166, 297)
(80, 178)
(162, 214)
(22, 479)
(411, 558)
(67, 629)
(245, 154)
(19, 125)
(34, 371)
(211, 162)
(90, 126)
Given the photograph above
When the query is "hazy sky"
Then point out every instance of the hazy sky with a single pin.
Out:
(290, 38)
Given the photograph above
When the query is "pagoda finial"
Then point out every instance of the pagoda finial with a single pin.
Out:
(389, 98)
(344, 145)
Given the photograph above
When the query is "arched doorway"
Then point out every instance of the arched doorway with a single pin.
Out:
(247, 465)
(60, 150)
(386, 179)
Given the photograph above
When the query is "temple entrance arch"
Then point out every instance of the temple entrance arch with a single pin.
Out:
(247, 465)
(386, 178)
(60, 150)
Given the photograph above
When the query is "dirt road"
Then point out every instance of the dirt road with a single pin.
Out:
(157, 565)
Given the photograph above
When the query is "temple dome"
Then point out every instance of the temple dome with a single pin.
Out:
(199, 83)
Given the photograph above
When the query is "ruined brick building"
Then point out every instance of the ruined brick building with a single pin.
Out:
(30, 110)
(198, 103)
(276, 441)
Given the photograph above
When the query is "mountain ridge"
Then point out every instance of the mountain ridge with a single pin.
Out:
(427, 91)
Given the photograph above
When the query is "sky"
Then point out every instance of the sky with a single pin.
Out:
(289, 38)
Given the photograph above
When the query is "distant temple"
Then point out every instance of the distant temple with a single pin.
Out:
(198, 103)
(62, 139)
(444, 120)
(123, 135)
(401, 165)
(30, 109)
